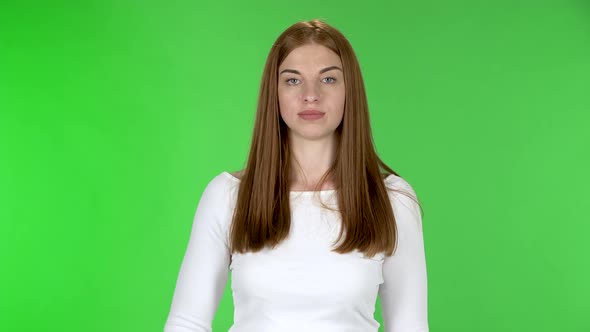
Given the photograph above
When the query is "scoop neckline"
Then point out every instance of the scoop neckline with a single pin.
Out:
(235, 179)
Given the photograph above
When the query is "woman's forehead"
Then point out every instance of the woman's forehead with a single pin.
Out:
(311, 56)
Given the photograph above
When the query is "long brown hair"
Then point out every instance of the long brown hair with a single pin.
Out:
(262, 215)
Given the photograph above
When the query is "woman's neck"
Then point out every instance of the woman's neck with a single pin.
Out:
(310, 160)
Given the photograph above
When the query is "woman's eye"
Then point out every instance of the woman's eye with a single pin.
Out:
(330, 79)
(290, 81)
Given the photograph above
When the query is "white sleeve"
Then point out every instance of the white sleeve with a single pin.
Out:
(204, 270)
(403, 294)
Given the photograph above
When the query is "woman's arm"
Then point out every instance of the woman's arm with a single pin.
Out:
(204, 270)
(403, 293)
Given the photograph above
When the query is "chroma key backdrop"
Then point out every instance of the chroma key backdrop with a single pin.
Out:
(114, 116)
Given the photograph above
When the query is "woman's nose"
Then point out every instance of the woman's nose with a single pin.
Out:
(311, 92)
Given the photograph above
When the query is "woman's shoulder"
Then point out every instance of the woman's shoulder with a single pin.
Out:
(396, 182)
(404, 199)
(237, 174)
(221, 186)
(400, 189)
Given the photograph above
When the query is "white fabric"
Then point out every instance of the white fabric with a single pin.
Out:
(300, 285)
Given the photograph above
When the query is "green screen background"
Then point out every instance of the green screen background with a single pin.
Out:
(114, 116)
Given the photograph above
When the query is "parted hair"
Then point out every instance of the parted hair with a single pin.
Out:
(262, 215)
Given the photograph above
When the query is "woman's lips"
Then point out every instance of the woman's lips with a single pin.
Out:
(310, 115)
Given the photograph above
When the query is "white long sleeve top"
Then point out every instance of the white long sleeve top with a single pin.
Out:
(300, 285)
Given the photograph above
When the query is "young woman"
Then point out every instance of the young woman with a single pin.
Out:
(316, 225)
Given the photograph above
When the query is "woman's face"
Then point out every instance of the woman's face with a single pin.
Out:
(311, 79)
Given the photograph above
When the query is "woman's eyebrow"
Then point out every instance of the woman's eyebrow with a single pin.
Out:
(321, 71)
